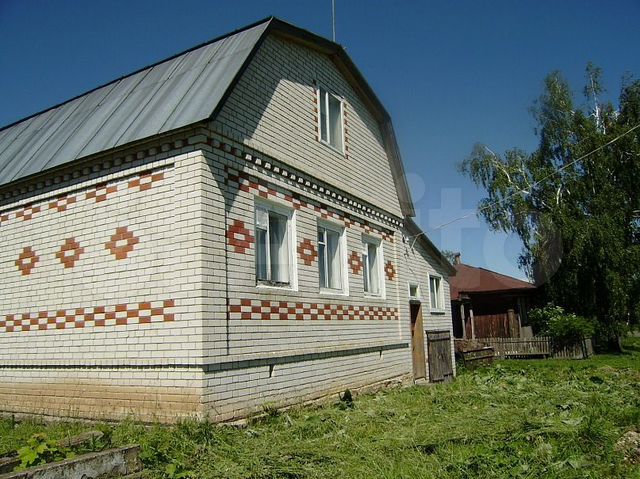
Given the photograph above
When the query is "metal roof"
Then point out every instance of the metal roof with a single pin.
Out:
(174, 93)
(182, 90)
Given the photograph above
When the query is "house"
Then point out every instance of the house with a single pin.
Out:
(223, 229)
(486, 304)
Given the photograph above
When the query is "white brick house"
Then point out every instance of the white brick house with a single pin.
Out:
(225, 228)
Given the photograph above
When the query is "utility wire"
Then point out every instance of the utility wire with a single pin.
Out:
(534, 184)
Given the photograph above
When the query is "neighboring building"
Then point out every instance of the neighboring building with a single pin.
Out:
(225, 228)
(486, 304)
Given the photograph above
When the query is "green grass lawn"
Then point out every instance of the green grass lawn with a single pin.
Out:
(518, 419)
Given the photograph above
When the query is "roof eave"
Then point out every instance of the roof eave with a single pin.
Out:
(419, 235)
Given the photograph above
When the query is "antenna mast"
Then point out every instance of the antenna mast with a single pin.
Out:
(333, 18)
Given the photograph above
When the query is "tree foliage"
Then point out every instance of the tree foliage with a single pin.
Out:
(574, 201)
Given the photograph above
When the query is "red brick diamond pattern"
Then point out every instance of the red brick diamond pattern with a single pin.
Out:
(355, 262)
(239, 237)
(27, 260)
(390, 271)
(69, 252)
(122, 243)
(307, 252)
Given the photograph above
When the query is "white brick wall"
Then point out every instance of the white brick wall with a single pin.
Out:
(198, 354)
(272, 109)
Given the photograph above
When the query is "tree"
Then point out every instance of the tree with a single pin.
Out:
(574, 202)
(450, 255)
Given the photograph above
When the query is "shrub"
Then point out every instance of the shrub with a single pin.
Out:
(562, 327)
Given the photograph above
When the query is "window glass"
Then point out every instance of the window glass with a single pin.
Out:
(335, 122)
(371, 268)
(272, 247)
(330, 263)
(324, 133)
(330, 118)
(279, 247)
(434, 291)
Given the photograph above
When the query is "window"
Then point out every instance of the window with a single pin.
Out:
(371, 261)
(435, 293)
(273, 259)
(330, 258)
(414, 291)
(330, 118)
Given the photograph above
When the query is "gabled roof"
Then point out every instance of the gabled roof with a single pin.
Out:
(182, 90)
(470, 279)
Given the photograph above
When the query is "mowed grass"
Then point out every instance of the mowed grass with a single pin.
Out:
(517, 419)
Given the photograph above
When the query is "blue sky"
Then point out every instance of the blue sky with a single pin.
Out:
(450, 73)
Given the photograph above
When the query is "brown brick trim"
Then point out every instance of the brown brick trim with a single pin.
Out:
(122, 243)
(307, 252)
(96, 316)
(27, 260)
(239, 237)
(283, 310)
(69, 252)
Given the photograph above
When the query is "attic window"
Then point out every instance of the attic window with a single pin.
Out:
(330, 119)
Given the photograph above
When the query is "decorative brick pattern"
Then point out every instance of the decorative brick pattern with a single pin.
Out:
(283, 310)
(101, 192)
(69, 252)
(264, 189)
(307, 252)
(27, 260)
(62, 203)
(390, 271)
(145, 180)
(298, 178)
(355, 262)
(97, 316)
(27, 212)
(122, 242)
(239, 237)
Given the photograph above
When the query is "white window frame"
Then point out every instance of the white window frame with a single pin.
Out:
(320, 90)
(367, 240)
(440, 296)
(291, 240)
(340, 230)
(418, 297)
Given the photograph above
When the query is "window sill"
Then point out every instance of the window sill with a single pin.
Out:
(335, 149)
(438, 311)
(336, 293)
(374, 296)
(286, 287)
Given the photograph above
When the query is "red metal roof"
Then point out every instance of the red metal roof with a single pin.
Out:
(469, 279)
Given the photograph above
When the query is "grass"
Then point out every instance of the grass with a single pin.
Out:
(518, 419)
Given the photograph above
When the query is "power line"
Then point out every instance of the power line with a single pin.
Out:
(535, 183)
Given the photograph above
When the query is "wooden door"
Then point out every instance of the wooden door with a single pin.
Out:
(440, 366)
(417, 342)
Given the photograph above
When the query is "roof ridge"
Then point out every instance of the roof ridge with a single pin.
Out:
(159, 62)
(497, 273)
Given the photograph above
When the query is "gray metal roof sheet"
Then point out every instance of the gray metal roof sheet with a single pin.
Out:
(177, 92)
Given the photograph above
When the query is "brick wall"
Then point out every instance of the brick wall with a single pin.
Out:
(134, 284)
(274, 110)
(98, 291)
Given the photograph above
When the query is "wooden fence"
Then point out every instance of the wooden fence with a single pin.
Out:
(541, 347)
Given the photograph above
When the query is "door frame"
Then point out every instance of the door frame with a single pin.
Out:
(418, 353)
